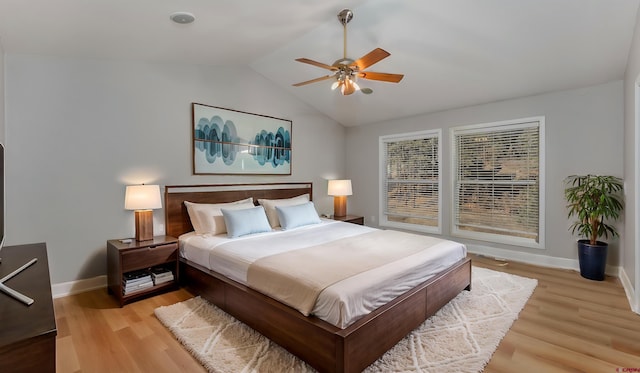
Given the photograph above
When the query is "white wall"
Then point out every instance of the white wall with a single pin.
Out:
(80, 130)
(584, 134)
(631, 261)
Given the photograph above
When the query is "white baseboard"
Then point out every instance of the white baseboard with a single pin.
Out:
(536, 259)
(634, 301)
(80, 286)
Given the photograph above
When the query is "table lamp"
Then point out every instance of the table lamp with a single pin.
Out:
(143, 199)
(339, 189)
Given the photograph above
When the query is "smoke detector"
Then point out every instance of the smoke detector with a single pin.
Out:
(182, 17)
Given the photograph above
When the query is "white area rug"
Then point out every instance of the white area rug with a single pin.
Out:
(461, 337)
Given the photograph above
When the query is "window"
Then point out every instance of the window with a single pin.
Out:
(497, 172)
(410, 181)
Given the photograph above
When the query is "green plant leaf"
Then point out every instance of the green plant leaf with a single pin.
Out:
(592, 200)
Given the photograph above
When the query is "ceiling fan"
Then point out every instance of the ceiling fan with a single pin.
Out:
(346, 71)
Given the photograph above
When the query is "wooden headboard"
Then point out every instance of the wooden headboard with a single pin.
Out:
(177, 220)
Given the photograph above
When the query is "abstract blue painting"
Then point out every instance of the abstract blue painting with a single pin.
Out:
(228, 141)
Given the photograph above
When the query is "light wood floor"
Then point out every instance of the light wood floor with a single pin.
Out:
(570, 324)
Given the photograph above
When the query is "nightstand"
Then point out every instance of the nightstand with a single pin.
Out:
(350, 219)
(131, 259)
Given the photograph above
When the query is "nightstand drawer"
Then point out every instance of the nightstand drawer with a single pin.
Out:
(358, 220)
(149, 256)
(355, 219)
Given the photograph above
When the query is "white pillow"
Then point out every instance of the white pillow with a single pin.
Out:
(270, 206)
(297, 215)
(207, 218)
(245, 221)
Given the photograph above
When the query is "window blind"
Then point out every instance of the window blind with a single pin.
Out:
(496, 181)
(411, 181)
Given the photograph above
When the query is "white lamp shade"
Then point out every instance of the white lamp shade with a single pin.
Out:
(339, 188)
(142, 197)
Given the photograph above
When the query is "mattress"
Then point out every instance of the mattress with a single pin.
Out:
(344, 302)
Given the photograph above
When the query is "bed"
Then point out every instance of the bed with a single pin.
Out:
(323, 345)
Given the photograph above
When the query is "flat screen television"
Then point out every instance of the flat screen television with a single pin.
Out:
(4, 288)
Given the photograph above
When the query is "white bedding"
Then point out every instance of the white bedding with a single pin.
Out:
(341, 303)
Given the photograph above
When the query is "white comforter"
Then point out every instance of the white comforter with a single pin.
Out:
(339, 304)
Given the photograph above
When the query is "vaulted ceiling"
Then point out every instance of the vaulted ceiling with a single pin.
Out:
(453, 53)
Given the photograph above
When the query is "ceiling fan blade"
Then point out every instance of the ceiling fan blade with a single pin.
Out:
(385, 77)
(370, 58)
(313, 80)
(316, 63)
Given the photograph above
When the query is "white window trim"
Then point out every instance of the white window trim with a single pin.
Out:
(382, 218)
(516, 241)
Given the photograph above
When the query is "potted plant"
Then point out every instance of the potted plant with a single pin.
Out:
(594, 201)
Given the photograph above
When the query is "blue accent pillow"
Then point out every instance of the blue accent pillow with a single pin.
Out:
(245, 221)
(297, 215)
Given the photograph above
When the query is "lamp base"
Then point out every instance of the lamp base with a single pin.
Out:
(144, 225)
(340, 206)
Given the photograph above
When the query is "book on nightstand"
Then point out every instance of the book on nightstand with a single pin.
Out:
(136, 281)
(161, 275)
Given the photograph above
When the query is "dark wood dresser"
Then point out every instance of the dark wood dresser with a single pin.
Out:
(27, 333)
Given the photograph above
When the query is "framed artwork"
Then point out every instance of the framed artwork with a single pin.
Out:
(234, 142)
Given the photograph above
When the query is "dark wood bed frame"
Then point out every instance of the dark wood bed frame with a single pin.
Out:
(322, 345)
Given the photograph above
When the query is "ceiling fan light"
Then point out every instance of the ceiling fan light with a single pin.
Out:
(355, 85)
(348, 87)
(335, 85)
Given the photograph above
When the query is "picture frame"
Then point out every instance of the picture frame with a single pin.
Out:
(233, 142)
